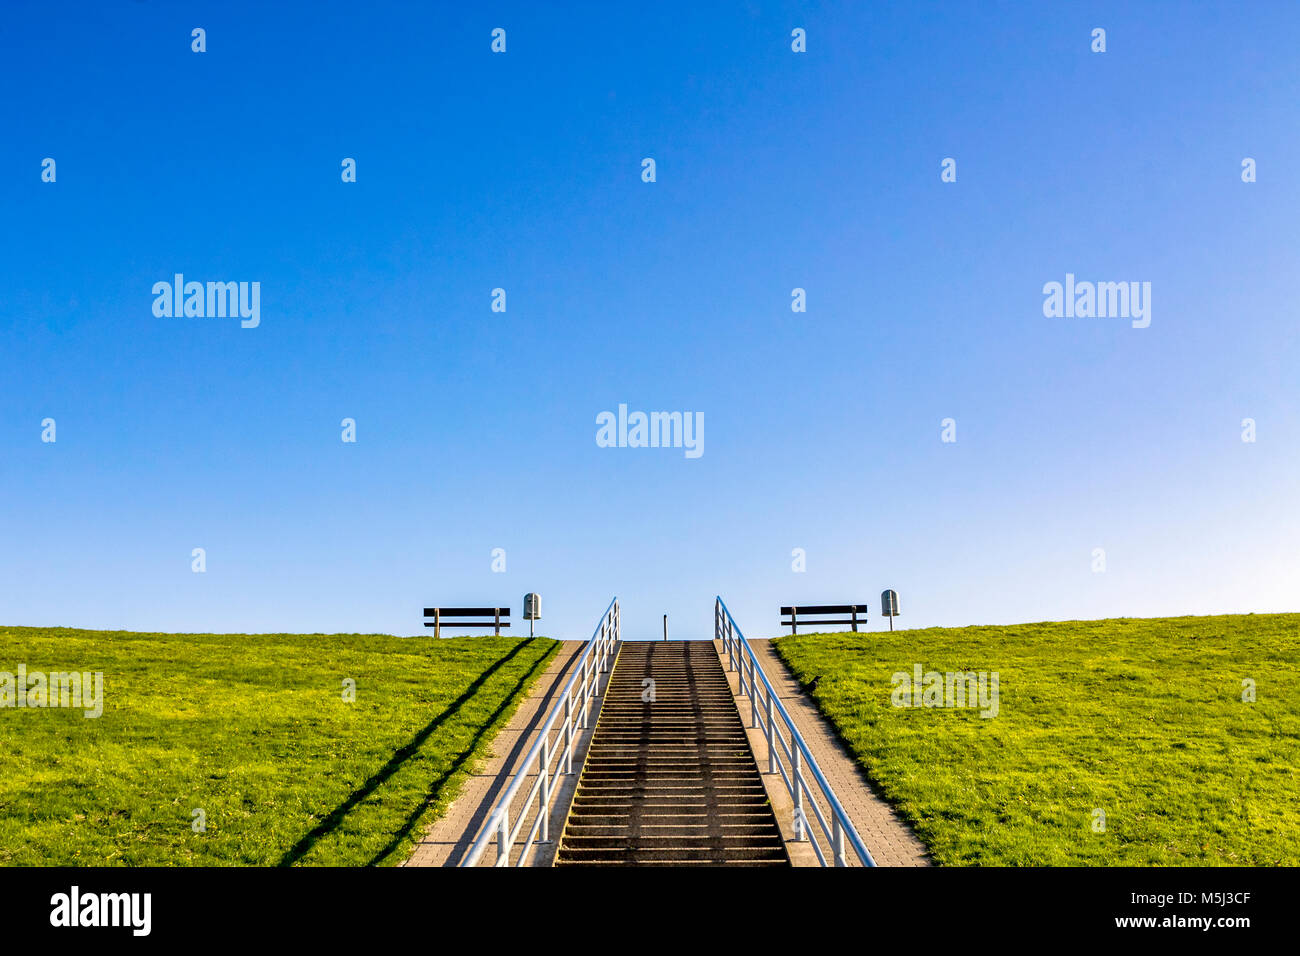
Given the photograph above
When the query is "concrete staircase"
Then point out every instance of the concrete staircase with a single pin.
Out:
(670, 781)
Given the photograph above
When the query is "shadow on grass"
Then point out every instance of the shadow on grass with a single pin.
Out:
(511, 760)
(376, 780)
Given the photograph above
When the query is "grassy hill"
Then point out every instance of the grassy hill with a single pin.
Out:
(254, 731)
(1143, 720)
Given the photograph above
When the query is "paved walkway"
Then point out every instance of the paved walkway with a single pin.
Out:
(449, 838)
(890, 841)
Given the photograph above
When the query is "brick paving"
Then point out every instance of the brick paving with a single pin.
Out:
(890, 841)
(449, 838)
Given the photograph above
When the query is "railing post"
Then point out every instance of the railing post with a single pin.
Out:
(586, 694)
(544, 768)
(771, 737)
(796, 783)
(568, 734)
(503, 839)
(837, 841)
(753, 699)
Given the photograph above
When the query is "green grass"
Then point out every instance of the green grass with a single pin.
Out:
(1142, 719)
(252, 729)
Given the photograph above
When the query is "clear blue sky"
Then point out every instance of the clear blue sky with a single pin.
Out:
(476, 430)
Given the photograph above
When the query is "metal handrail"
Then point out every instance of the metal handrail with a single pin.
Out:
(840, 828)
(594, 662)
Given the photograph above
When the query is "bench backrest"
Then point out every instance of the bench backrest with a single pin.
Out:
(441, 614)
(812, 614)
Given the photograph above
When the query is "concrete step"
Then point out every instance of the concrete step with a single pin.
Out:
(673, 781)
(639, 856)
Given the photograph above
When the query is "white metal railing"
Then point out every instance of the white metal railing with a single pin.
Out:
(595, 661)
(765, 711)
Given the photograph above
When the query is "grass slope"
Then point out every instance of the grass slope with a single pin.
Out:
(1142, 719)
(253, 730)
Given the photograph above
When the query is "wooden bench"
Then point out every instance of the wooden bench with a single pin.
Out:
(793, 613)
(440, 615)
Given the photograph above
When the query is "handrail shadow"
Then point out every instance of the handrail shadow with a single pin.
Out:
(510, 763)
(404, 753)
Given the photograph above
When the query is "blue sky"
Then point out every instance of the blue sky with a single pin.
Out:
(775, 170)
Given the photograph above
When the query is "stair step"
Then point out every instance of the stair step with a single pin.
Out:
(672, 781)
(636, 855)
